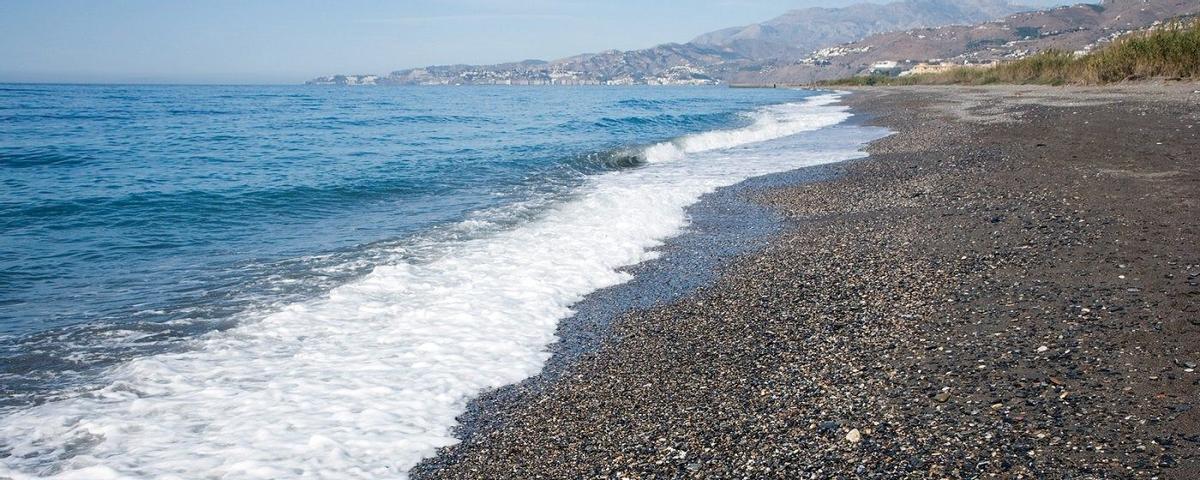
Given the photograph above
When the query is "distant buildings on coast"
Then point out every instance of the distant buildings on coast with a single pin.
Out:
(677, 75)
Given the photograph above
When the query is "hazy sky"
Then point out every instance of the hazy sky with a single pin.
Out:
(289, 41)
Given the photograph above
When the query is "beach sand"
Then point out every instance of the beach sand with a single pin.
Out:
(1008, 286)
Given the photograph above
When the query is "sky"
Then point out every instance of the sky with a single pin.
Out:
(289, 41)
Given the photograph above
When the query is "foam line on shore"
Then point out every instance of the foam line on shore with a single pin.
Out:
(368, 380)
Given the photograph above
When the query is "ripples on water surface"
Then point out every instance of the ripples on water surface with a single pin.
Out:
(178, 264)
(134, 215)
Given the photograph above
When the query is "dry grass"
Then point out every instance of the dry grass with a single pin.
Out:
(1170, 51)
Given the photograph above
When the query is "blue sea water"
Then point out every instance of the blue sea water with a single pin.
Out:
(158, 212)
(292, 281)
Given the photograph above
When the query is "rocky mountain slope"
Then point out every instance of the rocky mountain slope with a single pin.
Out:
(709, 58)
(1073, 28)
(664, 64)
(799, 32)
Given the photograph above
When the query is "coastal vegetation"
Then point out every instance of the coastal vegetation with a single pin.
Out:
(1168, 51)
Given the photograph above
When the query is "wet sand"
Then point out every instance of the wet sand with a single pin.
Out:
(1007, 287)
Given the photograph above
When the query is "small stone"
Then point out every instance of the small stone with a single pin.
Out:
(854, 436)
(1043, 349)
(942, 397)
(997, 406)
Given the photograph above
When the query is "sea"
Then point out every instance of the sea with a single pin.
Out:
(312, 282)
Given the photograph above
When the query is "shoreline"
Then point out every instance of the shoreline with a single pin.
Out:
(723, 225)
(381, 367)
(1006, 287)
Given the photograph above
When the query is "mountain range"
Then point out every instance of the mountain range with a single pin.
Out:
(1078, 28)
(797, 33)
(821, 43)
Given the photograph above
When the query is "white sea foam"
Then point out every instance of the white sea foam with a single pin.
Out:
(769, 123)
(367, 381)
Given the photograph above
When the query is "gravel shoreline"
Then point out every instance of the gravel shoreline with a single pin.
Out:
(1008, 287)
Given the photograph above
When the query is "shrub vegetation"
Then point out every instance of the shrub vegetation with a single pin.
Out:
(1169, 51)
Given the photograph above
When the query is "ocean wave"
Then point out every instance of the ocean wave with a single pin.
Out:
(769, 123)
(123, 200)
(695, 122)
(646, 103)
(608, 160)
(367, 380)
(16, 118)
(38, 157)
(296, 200)
(234, 205)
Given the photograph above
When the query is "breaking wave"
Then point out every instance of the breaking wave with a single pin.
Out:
(367, 380)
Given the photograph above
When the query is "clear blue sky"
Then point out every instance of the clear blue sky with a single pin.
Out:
(278, 41)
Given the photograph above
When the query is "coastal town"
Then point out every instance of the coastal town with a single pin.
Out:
(714, 60)
(675, 75)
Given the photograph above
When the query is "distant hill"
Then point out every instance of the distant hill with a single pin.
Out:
(710, 58)
(665, 64)
(1073, 28)
(799, 32)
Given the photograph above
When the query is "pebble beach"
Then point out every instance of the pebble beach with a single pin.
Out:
(1007, 287)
